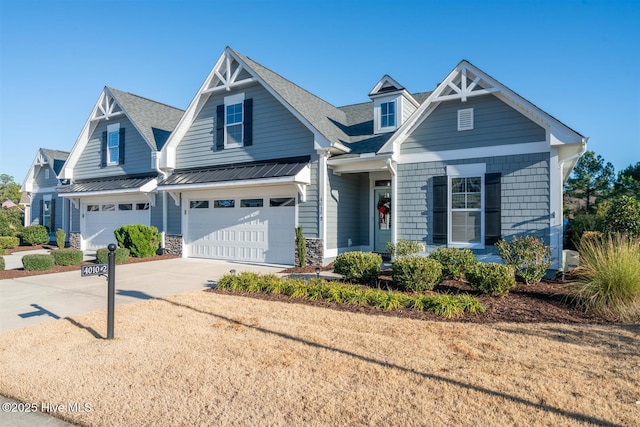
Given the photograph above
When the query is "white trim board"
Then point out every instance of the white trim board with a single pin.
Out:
(472, 153)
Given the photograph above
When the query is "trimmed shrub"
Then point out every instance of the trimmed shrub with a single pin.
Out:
(455, 262)
(624, 216)
(529, 257)
(340, 293)
(301, 246)
(3, 251)
(102, 255)
(416, 273)
(360, 267)
(67, 256)
(37, 262)
(1, 263)
(60, 238)
(404, 248)
(584, 222)
(141, 240)
(491, 278)
(8, 242)
(11, 220)
(35, 235)
(609, 278)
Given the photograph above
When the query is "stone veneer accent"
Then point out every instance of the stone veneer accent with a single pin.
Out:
(315, 254)
(74, 240)
(173, 245)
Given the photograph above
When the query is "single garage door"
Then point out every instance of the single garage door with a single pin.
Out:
(102, 219)
(255, 229)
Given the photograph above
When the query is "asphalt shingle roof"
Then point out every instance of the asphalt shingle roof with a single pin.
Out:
(154, 120)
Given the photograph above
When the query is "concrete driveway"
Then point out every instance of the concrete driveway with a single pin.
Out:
(36, 299)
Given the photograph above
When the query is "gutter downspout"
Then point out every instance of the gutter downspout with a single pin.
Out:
(394, 201)
(156, 164)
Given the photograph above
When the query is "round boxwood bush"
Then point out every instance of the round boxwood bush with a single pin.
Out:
(38, 262)
(455, 262)
(1, 263)
(8, 242)
(102, 255)
(361, 267)
(35, 235)
(67, 256)
(491, 278)
(416, 273)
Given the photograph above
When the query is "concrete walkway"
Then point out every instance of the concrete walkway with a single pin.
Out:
(35, 299)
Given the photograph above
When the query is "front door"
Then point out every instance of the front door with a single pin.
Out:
(382, 226)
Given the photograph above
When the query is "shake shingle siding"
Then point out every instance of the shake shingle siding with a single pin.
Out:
(137, 153)
(495, 123)
(348, 194)
(276, 134)
(524, 196)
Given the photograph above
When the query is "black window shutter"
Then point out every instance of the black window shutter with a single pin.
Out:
(103, 150)
(220, 127)
(492, 208)
(53, 215)
(41, 212)
(440, 211)
(121, 147)
(248, 122)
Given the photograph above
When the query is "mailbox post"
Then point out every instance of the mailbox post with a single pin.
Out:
(111, 280)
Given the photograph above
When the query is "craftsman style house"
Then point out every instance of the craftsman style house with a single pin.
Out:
(42, 205)
(254, 156)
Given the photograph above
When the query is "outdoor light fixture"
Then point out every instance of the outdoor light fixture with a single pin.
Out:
(317, 272)
(233, 271)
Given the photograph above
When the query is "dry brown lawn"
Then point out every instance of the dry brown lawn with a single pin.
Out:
(203, 358)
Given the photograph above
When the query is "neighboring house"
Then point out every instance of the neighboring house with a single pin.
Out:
(112, 168)
(39, 197)
(255, 156)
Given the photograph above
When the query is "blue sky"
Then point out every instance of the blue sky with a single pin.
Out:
(577, 60)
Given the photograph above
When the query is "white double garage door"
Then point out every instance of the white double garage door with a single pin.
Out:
(100, 218)
(252, 228)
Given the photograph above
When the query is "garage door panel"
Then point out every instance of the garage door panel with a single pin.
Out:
(264, 234)
(99, 226)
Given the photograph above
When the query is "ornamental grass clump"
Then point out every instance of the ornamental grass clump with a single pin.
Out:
(416, 273)
(491, 278)
(67, 256)
(609, 278)
(359, 267)
(38, 262)
(529, 257)
(455, 262)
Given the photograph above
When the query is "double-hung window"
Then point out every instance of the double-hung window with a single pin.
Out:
(388, 114)
(466, 205)
(113, 144)
(233, 120)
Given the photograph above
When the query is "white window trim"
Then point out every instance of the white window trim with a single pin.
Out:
(377, 111)
(466, 171)
(237, 98)
(114, 128)
(465, 119)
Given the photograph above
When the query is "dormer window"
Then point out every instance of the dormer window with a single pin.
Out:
(388, 114)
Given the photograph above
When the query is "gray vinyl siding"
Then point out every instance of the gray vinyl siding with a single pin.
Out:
(495, 123)
(75, 219)
(174, 225)
(137, 154)
(407, 110)
(41, 182)
(524, 196)
(276, 134)
(156, 213)
(308, 212)
(347, 210)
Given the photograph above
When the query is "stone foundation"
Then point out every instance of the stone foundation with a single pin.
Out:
(173, 245)
(74, 240)
(315, 254)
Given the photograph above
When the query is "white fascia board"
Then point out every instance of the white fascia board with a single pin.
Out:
(242, 183)
(359, 164)
(471, 153)
(27, 183)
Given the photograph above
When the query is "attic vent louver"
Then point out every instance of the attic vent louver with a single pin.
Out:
(465, 119)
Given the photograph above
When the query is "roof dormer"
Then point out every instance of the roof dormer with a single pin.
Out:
(392, 105)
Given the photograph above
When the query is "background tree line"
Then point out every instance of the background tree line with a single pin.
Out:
(596, 199)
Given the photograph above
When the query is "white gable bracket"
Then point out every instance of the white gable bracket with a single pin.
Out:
(175, 196)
